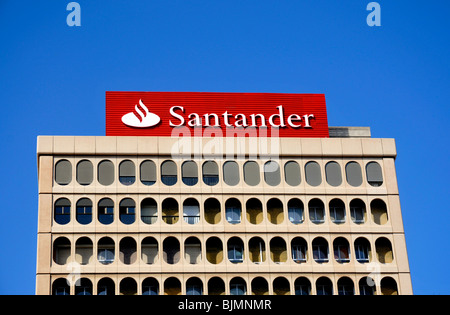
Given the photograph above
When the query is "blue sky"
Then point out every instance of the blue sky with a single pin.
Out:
(393, 78)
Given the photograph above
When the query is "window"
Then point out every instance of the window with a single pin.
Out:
(341, 250)
(252, 172)
(260, 286)
(106, 173)
(106, 211)
(292, 173)
(346, 286)
(127, 210)
(295, 211)
(320, 250)
(61, 250)
(83, 287)
(194, 286)
(362, 250)
(302, 286)
(214, 250)
(384, 250)
(238, 286)
(354, 174)
(231, 173)
(84, 211)
(106, 251)
(193, 251)
(212, 211)
(281, 286)
(358, 211)
(85, 172)
(189, 172)
(337, 211)
(150, 286)
(316, 211)
(388, 286)
(374, 174)
(278, 250)
(60, 287)
(367, 286)
(275, 212)
(83, 250)
(333, 174)
(149, 250)
(148, 173)
(257, 250)
(172, 286)
(191, 211)
(313, 174)
(235, 250)
(128, 286)
(216, 286)
(272, 173)
(127, 173)
(149, 211)
(128, 250)
(254, 209)
(210, 173)
(169, 173)
(233, 211)
(324, 286)
(106, 286)
(379, 211)
(63, 172)
(62, 211)
(171, 248)
(299, 250)
(170, 214)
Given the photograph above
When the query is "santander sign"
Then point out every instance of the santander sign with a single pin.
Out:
(160, 113)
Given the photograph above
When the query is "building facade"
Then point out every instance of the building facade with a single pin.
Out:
(136, 215)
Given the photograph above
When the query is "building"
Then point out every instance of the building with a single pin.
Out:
(136, 215)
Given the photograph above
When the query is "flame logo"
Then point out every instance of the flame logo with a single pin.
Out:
(145, 119)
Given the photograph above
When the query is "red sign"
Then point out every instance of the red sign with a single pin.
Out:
(216, 114)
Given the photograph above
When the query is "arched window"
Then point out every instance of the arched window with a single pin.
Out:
(358, 211)
(333, 174)
(171, 248)
(128, 250)
(292, 173)
(388, 286)
(341, 250)
(354, 174)
(127, 211)
(299, 250)
(127, 173)
(149, 250)
(374, 174)
(170, 212)
(212, 211)
(61, 250)
(254, 210)
(193, 250)
(295, 211)
(278, 250)
(60, 287)
(194, 286)
(231, 173)
(191, 211)
(83, 287)
(106, 286)
(83, 250)
(128, 286)
(106, 211)
(149, 211)
(384, 250)
(63, 172)
(216, 286)
(367, 286)
(189, 172)
(233, 211)
(210, 173)
(363, 251)
(106, 251)
(302, 286)
(281, 286)
(324, 286)
(169, 173)
(257, 250)
(313, 174)
(172, 286)
(275, 212)
(148, 173)
(320, 250)
(379, 212)
(346, 286)
(84, 211)
(252, 173)
(85, 172)
(235, 250)
(272, 173)
(61, 211)
(316, 211)
(238, 286)
(214, 250)
(260, 286)
(106, 173)
(337, 211)
(150, 286)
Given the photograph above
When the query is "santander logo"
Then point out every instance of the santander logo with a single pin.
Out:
(145, 119)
